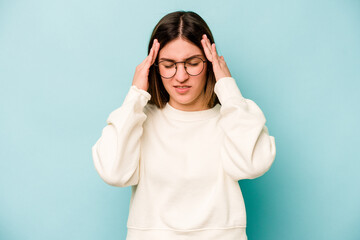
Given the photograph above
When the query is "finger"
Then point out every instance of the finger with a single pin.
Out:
(215, 56)
(207, 41)
(149, 58)
(219, 58)
(152, 51)
(206, 50)
(223, 60)
(213, 47)
(208, 47)
(156, 51)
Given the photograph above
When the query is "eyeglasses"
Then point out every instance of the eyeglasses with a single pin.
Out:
(193, 66)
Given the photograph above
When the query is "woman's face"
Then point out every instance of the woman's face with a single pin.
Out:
(191, 98)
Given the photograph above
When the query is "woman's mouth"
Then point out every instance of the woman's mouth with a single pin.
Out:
(182, 89)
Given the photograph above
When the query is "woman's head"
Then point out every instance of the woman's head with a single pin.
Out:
(179, 34)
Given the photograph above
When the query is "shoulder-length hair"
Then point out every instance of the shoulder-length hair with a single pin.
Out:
(188, 25)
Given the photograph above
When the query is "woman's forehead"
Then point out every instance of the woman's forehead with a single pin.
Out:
(179, 49)
(180, 59)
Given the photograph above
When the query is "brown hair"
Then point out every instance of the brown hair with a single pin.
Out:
(188, 25)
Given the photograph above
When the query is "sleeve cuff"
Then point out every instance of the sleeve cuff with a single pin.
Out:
(137, 95)
(226, 88)
(136, 99)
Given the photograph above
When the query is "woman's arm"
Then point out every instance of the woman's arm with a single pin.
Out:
(247, 150)
(117, 152)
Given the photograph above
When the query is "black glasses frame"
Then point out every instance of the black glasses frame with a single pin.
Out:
(158, 70)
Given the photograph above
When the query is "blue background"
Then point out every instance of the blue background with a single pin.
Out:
(65, 65)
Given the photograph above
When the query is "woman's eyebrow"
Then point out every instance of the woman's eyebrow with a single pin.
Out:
(168, 59)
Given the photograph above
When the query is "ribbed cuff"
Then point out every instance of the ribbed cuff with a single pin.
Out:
(226, 88)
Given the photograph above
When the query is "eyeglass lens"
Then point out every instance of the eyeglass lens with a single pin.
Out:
(193, 67)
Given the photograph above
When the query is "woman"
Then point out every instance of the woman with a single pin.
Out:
(182, 139)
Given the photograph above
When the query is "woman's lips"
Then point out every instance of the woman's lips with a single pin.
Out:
(182, 89)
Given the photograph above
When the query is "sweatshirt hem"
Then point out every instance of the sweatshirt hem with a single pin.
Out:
(226, 233)
(187, 230)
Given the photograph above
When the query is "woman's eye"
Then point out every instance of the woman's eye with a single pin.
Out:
(167, 64)
(193, 62)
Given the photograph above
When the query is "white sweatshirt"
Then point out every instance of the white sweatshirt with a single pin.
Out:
(184, 166)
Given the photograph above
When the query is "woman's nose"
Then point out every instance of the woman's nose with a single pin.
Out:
(181, 73)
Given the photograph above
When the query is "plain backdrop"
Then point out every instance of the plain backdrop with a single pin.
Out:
(65, 65)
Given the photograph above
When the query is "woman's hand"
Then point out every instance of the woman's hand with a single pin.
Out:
(219, 65)
(140, 79)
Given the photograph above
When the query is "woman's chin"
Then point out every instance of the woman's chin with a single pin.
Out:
(187, 103)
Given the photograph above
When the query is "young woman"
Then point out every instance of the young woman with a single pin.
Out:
(182, 139)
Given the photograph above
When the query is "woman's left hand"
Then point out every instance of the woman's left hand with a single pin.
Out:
(219, 65)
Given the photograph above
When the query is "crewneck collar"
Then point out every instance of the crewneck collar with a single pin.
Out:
(181, 115)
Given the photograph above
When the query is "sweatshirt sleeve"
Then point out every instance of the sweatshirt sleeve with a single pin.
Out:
(116, 154)
(247, 150)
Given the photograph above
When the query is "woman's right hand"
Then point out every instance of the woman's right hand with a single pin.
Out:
(142, 70)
